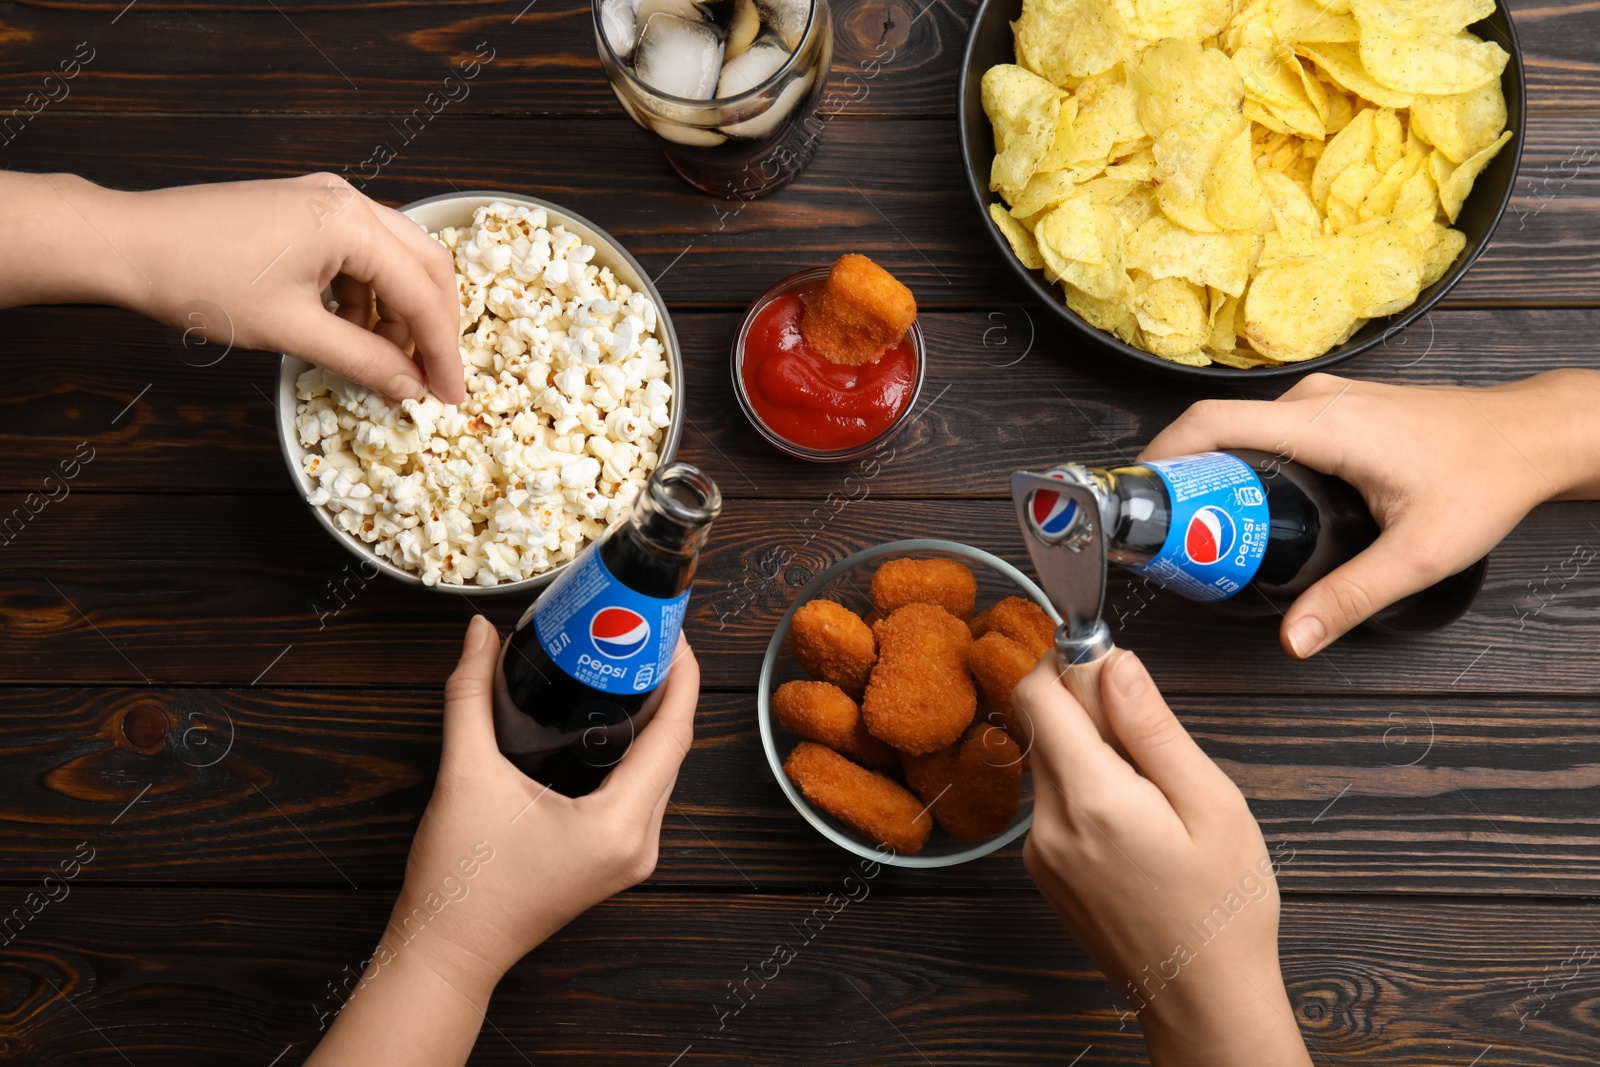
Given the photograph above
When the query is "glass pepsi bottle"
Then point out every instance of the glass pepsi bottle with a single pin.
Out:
(1247, 531)
(581, 674)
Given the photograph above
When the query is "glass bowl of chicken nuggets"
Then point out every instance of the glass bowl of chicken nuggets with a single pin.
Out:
(885, 702)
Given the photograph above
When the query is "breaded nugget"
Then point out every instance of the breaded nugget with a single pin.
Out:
(822, 712)
(920, 697)
(877, 807)
(861, 312)
(1025, 623)
(833, 645)
(925, 581)
(974, 787)
(999, 663)
(978, 624)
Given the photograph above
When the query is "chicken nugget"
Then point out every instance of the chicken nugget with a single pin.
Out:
(978, 624)
(822, 712)
(1025, 623)
(974, 787)
(864, 800)
(921, 695)
(999, 663)
(861, 312)
(925, 581)
(833, 645)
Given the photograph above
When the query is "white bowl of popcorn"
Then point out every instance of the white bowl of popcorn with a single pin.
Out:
(574, 395)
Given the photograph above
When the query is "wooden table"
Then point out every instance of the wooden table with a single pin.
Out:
(200, 689)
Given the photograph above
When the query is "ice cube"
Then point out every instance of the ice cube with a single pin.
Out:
(688, 135)
(768, 120)
(678, 57)
(742, 28)
(786, 18)
(750, 68)
(684, 9)
(621, 26)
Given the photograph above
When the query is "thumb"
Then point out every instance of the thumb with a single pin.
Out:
(469, 694)
(1392, 567)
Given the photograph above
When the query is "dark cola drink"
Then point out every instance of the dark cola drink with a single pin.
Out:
(1246, 531)
(582, 672)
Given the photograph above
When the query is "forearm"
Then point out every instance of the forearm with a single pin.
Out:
(1553, 419)
(406, 1010)
(1243, 1021)
(65, 240)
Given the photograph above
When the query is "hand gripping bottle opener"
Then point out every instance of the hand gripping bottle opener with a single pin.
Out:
(1060, 520)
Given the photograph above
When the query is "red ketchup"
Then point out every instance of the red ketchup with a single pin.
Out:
(811, 402)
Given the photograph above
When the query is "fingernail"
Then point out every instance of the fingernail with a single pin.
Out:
(478, 632)
(405, 387)
(1307, 636)
(1129, 676)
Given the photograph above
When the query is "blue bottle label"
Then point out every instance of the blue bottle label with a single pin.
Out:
(604, 634)
(1219, 526)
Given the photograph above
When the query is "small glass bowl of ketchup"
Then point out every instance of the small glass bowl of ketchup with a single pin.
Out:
(807, 406)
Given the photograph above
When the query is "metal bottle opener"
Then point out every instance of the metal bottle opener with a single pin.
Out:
(1060, 520)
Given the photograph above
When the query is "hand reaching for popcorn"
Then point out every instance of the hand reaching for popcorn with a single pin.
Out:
(246, 264)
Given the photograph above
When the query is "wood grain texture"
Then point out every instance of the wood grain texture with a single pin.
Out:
(125, 589)
(191, 56)
(240, 977)
(889, 188)
(1008, 388)
(1460, 795)
(324, 57)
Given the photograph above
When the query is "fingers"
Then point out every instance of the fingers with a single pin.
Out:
(1287, 426)
(354, 299)
(1392, 567)
(433, 318)
(1155, 740)
(646, 774)
(355, 352)
(1067, 747)
(469, 695)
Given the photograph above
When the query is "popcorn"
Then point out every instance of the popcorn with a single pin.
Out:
(566, 410)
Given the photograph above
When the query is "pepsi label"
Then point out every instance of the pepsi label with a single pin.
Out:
(1219, 526)
(602, 633)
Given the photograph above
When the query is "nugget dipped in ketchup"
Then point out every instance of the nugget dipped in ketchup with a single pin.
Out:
(829, 361)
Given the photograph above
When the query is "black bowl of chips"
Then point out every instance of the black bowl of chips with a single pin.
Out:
(1170, 211)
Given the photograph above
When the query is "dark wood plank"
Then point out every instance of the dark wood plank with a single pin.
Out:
(123, 589)
(210, 57)
(312, 56)
(887, 981)
(892, 189)
(1007, 388)
(1455, 795)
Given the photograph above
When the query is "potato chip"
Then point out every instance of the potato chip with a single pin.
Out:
(1163, 249)
(1185, 156)
(1232, 190)
(1273, 84)
(1063, 143)
(1190, 19)
(1064, 39)
(1388, 138)
(1022, 242)
(1108, 115)
(1351, 147)
(1295, 21)
(1462, 124)
(1433, 65)
(1409, 18)
(1455, 182)
(1179, 81)
(1342, 64)
(1223, 313)
(1024, 109)
(1081, 243)
(1297, 311)
(1381, 263)
(1291, 208)
(1380, 200)
(1113, 316)
(1417, 204)
(1353, 184)
(1440, 247)
(1173, 321)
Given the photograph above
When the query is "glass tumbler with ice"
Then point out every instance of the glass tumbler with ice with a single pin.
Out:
(729, 86)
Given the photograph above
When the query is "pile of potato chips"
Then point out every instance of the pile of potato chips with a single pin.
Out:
(1242, 181)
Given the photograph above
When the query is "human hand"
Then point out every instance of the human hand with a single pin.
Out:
(1446, 472)
(262, 252)
(1148, 863)
(552, 857)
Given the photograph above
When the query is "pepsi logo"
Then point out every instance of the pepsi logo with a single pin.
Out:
(1053, 512)
(1210, 535)
(618, 632)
